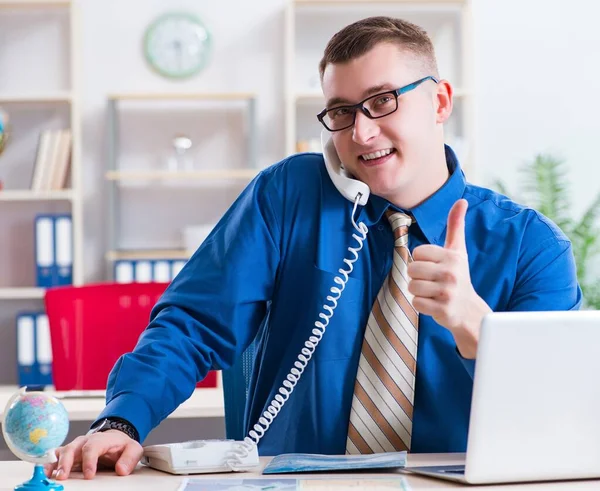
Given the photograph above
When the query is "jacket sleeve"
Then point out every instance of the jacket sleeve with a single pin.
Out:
(207, 316)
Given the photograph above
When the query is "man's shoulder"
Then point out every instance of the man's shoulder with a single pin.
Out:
(500, 211)
(300, 166)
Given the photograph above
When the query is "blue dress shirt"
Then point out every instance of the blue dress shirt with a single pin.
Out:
(266, 270)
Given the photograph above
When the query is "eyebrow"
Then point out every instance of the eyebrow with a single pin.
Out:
(370, 91)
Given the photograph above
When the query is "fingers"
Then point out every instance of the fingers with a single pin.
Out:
(90, 452)
(50, 468)
(67, 456)
(429, 252)
(428, 306)
(426, 289)
(425, 271)
(129, 458)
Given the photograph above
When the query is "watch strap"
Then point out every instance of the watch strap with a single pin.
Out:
(115, 423)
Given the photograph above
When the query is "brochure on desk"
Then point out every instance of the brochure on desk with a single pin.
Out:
(301, 462)
(288, 484)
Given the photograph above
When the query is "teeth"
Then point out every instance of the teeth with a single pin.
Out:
(376, 155)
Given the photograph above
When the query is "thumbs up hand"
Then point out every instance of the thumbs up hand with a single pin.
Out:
(441, 284)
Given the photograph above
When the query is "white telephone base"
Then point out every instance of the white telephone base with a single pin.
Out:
(196, 457)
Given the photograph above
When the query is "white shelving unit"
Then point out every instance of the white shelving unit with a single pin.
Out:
(158, 179)
(310, 24)
(19, 100)
(40, 90)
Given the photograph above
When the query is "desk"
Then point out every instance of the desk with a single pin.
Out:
(204, 403)
(145, 479)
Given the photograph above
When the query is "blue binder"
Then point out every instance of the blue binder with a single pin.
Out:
(43, 349)
(34, 352)
(44, 250)
(145, 270)
(63, 240)
(27, 369)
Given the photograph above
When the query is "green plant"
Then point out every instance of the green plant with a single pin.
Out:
(545, 188)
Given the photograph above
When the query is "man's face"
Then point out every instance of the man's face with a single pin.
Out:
(407, 137)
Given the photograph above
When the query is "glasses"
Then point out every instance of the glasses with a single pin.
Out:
(373, 107)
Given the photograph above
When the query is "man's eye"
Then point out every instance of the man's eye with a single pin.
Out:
(339, 112)
(383, 100)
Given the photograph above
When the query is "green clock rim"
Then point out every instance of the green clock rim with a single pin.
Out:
(176, 15)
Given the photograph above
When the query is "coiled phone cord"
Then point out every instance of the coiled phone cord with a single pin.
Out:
(259, 429)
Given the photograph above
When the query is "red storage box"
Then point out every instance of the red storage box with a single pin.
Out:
(91, 326)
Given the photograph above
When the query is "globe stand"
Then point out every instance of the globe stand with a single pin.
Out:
(39, 482)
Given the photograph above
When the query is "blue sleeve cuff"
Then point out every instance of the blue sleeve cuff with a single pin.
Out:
(468, 364)
(131, 408)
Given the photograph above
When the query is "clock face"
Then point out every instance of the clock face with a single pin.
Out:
(177, 45)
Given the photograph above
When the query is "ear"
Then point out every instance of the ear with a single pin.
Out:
(443, 101)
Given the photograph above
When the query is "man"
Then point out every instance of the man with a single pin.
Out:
(268, 267)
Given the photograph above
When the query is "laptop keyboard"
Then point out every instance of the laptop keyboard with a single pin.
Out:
(459, 469)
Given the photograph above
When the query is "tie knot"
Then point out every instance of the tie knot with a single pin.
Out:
(400, 223)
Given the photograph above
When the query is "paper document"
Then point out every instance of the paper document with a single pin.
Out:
(299, 462)
(287, 484)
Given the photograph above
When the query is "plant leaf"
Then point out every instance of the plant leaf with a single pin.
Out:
(545, 189)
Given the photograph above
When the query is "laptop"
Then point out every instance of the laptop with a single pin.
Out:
(535, 413)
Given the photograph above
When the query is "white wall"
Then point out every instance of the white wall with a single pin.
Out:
(247, 57)
(536, 72)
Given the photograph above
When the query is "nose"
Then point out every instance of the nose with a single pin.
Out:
(364, 129)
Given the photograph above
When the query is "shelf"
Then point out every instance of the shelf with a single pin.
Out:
(171, 175)
(22, 4)
(200, 96)
(148, 254)
(27, 195)
(346, 6)
(370, 2)
(22, 293)
(45, 98)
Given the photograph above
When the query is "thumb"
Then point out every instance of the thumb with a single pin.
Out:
(132, 453)
(455, 231)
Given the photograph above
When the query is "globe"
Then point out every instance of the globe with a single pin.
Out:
(34, 425)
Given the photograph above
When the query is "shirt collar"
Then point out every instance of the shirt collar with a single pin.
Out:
(431, 215)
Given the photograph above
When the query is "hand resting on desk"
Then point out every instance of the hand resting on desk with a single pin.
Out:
(111, 449)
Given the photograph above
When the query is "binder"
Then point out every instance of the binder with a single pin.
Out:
(26, 366)
(63, 233)
(43, 349)
(146, 270)
(124, 271)
(44, 250)
(143, 271)
(177, 266)
(161, 271)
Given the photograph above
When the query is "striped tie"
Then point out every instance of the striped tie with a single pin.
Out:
(382, 406)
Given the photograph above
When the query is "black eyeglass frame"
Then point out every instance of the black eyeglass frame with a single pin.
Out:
(360, 105)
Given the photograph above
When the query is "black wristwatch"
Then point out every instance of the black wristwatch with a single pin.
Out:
(114, 423)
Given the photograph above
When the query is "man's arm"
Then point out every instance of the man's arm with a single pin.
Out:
(547, 281)
(206, 317)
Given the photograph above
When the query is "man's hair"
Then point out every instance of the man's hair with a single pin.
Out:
(361, 36)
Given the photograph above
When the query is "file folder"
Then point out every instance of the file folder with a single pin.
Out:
(63, 233)
(44, 250)
(124, 271)
(26, 366)
(43, 350)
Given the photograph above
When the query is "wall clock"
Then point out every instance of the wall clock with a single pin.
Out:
(177, 45)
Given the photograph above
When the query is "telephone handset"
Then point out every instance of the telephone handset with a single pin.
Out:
(207, 456)
(349, 188)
